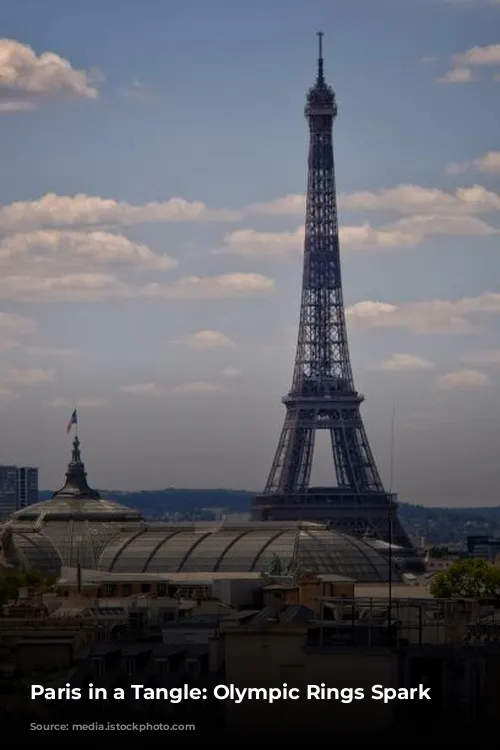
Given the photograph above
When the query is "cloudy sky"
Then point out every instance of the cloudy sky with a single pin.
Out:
(153, 171)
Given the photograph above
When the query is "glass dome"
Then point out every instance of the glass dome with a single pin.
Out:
(245, 548)
(76, 520)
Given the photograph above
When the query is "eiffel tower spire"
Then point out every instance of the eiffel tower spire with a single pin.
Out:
(320, 79)
(323, 395)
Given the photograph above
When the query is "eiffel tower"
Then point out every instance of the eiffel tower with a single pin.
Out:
(323, 395)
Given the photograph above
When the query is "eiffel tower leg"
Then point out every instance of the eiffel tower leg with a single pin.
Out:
(292, 463)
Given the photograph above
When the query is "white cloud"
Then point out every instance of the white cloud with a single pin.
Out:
(458, 75)
(208, 341)
(34, 376)
(436, 316)
(250, 243)
(385, 238)
(99, 286)
(153, 389)
(489, 163)
(70, 287)
(288, 205)
(405, 199)
(430, 225)
(39, 249)
(462, 380)
(59, 211)
(65, 212)
(405, 233)
(414, 199)
(403, 363)
(483, 359)
(488, 55)
(226, 286)
(28, 80)
(196, 388)
(143, 389)
(231, 373)
(54, 265)
(481, 56)
(83, 403)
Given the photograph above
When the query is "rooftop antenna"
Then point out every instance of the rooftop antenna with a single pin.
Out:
(320, 56)
(391, 477)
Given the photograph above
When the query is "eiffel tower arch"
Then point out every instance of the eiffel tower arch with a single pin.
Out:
(323, 395)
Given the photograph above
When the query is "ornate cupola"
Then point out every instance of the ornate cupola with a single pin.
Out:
(76, 500)
(76, 485)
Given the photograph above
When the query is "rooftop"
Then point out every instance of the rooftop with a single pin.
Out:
(69, 577)
(209, 550)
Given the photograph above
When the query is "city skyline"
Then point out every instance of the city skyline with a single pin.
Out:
(151, 238)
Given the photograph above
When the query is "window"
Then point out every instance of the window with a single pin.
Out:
(145, 588)
(161, 589)
(127, 589)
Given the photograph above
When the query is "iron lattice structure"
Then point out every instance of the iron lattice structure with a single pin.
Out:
(323, 395)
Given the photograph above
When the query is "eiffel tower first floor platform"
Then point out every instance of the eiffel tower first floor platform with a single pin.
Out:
(367, 514)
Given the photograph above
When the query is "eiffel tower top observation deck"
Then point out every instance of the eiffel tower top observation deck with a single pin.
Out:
(323, 396)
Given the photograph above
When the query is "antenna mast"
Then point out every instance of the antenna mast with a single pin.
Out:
(391, 477)
(320, 55)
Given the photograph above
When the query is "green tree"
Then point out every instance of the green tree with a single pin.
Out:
(275, 566)
(469, 578)
(11, 581)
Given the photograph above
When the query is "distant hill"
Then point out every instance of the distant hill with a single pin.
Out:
(437, 525)
(161, 503)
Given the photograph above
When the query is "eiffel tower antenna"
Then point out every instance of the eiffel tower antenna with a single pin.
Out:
(389, 515)
(323, 395)
(320, 55)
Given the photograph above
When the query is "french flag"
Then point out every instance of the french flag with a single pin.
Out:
(72, 421)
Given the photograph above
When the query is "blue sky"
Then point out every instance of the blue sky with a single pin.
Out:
(154, 166)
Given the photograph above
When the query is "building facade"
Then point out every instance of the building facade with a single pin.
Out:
(18, 488)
